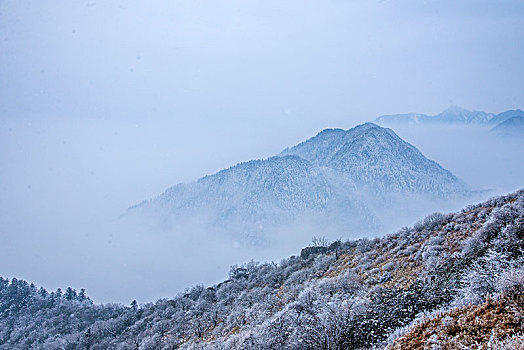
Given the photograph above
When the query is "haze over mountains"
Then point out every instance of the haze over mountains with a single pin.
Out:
(131, 163)
(513, 126)
(360, 181)
(455, 281)
(453, 115)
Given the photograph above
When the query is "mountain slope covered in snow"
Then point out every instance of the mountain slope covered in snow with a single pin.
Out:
(376, 159)
(454, 115)
(451, 281)
(339, 182)
(513, 126)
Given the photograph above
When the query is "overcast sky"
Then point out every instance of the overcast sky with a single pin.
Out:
(334, 61)
(106, 103)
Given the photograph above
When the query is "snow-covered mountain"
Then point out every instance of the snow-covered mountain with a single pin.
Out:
(502, 117)
(251, 196)
(458, 115)
(407, 118)
(452, 115)
(338, 182)
(513, 126)
(377, 160)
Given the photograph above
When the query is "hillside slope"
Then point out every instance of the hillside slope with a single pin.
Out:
(452, 279)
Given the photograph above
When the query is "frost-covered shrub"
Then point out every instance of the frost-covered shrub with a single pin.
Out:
(365, 263)
(322, 263)
(385, 277)
(431, 222)
(432, 252)
(381, 259)
(409, 250)
(364, 245)
(298, 277)
(316, 303)
(484, 277)
(513, 342)
(390, 266)
(511, 283)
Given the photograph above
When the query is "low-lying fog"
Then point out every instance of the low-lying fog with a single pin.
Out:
(104, 104)
(483, 160)
(65, 182)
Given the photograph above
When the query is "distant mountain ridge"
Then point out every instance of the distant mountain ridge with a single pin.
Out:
(337, 182)
(453, 115)
(513, 126)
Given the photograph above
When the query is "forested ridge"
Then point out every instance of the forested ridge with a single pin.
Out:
(450, 281)
(351, 183)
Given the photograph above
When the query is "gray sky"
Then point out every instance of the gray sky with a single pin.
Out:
(106, 103)
(300, 61)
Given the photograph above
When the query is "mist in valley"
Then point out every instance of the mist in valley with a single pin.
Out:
(104, 105)
(66, 192)
(484, 160)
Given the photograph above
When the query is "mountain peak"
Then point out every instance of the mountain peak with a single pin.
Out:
(319, 148)
(367, 126)
(377, 158)
(455, 110)
(328, 181)
(338, 132)
(330, 131)
(459, 115)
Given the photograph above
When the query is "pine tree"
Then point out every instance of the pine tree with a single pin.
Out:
(70, 294)
(82, 295)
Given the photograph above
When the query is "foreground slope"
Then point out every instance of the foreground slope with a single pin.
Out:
(360, 180)
(452, 280)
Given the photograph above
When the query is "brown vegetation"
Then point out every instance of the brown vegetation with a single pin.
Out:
(472, 327)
